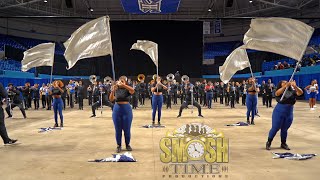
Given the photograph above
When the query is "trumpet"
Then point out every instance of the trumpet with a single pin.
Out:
(141, 77)
(107, 80)
(93, 79)
(170, 77)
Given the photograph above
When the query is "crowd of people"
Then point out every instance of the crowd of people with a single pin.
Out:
(124, 95)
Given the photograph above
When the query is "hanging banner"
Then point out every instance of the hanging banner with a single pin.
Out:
(206, 27)
(217, 26)
(150, 6)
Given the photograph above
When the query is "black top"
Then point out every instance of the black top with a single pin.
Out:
(268, 88)
(188, 93)
(159, 89)
(289, 97)
(36, 93)
(25, 91)
(3, 93)
(79, 90)
(249, 86)
(142, 87)
(122, 94)
(56, 91)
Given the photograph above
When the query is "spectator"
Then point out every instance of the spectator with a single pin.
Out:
(280, 66)
(286, 65)
(276, 67)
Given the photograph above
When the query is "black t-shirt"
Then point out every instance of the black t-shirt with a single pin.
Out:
(122, 94)
(159, 89)
(289, 98)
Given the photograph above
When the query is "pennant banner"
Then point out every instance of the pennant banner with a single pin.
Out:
(150, 6)
(40, 55)
(149, 47)
(236, 61)
(283, 36)
(92, 39)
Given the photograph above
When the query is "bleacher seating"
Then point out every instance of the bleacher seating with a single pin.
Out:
(12, 65)
(267, 66)
(219, 49)
(26, 43)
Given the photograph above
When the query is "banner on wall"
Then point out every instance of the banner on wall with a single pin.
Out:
(217, 26)
(150, 6)
(206, 27)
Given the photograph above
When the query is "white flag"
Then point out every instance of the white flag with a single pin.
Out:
(92, 39)
(149, 47)
(236, 61)
(283, 36)
(40, 55)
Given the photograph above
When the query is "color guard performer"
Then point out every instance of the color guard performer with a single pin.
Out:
(157, 99)
(251, 99)
(57, 104)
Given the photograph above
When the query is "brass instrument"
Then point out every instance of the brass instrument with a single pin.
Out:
(93, 79)
(184, 78)
(141, 77)
(154, 77)
(170, 77)
(107, 80)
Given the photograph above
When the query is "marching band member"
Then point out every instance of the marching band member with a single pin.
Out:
(181, 92)
(232, 94)
(209, 94)
(221, 89)
(169, 95)
(3, 129)
(142, 92)
(56, 92)
(79, 89)
(157, 99)
(251, 99)
(164, 92)
(95, 92)
(263, 92)
(122, 112)
(203, 95)
(104, 101)
(226, 90)
(89, 95)
(175, 92)
(64, 96)
(188, 101)
(282, 116)
(269, 89)
(197, 91)
(16, 101)
(71, 86)
(243, 90)
(237, 92)
(43, 95)
(26, 94)
(48, 96)
(215, 92)
(312, 90)
(36, 95)
(135, 95)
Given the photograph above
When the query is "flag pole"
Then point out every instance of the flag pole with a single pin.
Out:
(295, 70)
(51, 74)
(113, 71)
(157, 77)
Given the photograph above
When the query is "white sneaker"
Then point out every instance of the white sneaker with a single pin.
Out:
(312, 109)
(314, 106)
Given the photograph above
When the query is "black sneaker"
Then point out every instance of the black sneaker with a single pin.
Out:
(25, 117)
(159, 124)
(93, 116)
(61, 125)
(252, 123)
(248, 122)
(118, 149)
(11, 141)
(268, 145)
(55, 125)
(128, 147)
(9, 117)
(153, 123)
(200, 115)
(285, 146)
(179, 116)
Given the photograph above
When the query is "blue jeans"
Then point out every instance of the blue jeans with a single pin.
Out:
(122, 120)
(209, 97)
(57, 106)
(251, 102)
(157, 101)
(282, 118)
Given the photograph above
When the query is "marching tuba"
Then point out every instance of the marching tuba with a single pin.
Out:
(107, 80)
(141, 77)
(184, 78)
(93, 79)
(170, 77)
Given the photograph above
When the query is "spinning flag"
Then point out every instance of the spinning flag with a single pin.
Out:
(92, 39)
(236, 61)
(40, 55)
(283, 36)
(149, 47)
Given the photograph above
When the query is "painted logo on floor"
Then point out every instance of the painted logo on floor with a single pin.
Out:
(194, 150)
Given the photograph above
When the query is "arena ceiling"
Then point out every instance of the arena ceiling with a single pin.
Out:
(188, 9)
